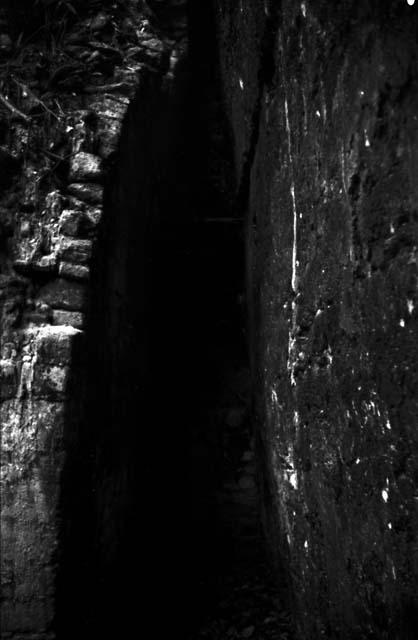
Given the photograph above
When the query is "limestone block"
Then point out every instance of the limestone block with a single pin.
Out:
(87, 192)
(71, 223)
(111, 111)
(75, 251)
(85, 167)
(110, 131)
(68, 318)
(73, 271)
(49, 381)
(63, 294)
(27, 428)
(37, 236)
(94, 215)
(31, 464)
(39, 313)
(78, 224)
(54, 344)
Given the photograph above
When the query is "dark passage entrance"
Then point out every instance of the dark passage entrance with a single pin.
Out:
(199, 379)
(167, 490)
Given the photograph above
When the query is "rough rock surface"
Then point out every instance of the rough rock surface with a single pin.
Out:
(322, 100)
(64, 95)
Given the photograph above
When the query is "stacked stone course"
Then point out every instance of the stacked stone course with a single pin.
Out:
(47, 244)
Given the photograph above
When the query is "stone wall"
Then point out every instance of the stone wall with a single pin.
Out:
(125, 380)
(98, 366)
(322, 99)
(66, 90)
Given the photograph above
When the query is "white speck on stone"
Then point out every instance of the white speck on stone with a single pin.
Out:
(318, 313)
(303, 9)
(411, 2)
(241, 84)
(392, 228)
(317, 113)
(401, 322)
(410, 305)
(361, 93)
(388, 426)
(358, 461)
(366, 139)
(385, 495)
(274, 396)
(389, 525)
(306, 545)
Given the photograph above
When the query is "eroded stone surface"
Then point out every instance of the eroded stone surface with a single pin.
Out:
(85, 167)
(63, 294)
(324, 126)
(86, 192)
(73, 271)
(75, 251)
(68, 318)
(32, 459)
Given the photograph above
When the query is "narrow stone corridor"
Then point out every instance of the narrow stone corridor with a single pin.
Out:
(168, 297)
(208, 304)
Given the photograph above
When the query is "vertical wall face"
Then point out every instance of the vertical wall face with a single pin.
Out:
(326, 113)
(63, 171)
(33, 419)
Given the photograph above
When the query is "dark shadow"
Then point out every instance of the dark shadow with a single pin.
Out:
(142, 535)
